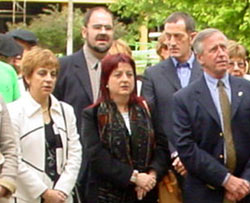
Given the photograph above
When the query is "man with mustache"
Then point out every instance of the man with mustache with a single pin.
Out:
(79, 78)
(164, 79)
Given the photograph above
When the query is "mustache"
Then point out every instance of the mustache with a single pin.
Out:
(102, 37)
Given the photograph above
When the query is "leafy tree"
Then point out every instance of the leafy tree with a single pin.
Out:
(51, 29)
(230, 16)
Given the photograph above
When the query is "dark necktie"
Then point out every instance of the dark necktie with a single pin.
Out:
(228, 138)
(182, 65)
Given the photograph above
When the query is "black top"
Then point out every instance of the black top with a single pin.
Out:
(52, 142)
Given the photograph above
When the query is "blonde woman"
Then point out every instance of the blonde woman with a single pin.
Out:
(50, 151)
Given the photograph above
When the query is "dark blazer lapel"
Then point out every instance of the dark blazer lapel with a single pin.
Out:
(237, 94)
(205, 99)
(169, 71)
(81, 72)
(196, 71)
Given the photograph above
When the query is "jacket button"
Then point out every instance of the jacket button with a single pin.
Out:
(221, 156)
(221, 134)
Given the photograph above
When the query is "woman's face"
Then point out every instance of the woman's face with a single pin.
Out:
(121, 81)
(42, 82)
(237, 66)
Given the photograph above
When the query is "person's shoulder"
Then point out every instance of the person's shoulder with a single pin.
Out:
(71, 57)
(190, 89)
(240, 80)
(159, 66)
(16, 106)
(6, 67)
(90, 111)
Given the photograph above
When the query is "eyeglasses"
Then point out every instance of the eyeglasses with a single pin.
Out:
(100, 26)
(234, 64)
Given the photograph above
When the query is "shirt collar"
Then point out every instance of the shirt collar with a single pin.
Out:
(190, 61)
(90, 58)
(34, 106)
(212, 82)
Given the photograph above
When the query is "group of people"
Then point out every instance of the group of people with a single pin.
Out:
(81, 123)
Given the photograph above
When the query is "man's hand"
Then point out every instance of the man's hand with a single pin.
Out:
(179, 167)
(237, 188)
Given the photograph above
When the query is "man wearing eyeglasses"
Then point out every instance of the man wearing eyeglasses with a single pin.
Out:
(79, 78)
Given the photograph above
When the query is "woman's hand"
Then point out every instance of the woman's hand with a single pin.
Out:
(146, 181)
(141, 193)
(3, 191)
(54, 196)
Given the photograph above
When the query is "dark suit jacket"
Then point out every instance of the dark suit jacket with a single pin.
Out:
(160, 83)
(73, 83)
(74, 87)
(102, 166)
(200, 140)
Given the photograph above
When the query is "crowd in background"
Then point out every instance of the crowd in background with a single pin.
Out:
(86, 128)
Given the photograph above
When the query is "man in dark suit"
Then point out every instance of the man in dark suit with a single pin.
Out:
(164, 79)
(212, 127)
(79, 77)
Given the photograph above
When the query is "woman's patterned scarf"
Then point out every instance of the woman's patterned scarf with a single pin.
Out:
(135, 149)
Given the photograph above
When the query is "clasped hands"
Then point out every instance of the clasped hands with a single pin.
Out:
(144, 183)
(236, 188)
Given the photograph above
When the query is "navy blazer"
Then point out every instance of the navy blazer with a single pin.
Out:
(159, 85)
(200, 141)
(73, 84)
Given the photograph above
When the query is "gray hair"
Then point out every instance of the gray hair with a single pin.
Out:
(201, 36)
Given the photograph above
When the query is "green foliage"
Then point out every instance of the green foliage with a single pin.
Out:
(230, 16)
(51, 29)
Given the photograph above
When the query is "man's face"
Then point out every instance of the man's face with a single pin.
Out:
(214, 58)
(99, 31)
(178, 40)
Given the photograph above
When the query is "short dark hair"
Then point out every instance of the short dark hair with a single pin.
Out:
(89, 13)
(188, 20)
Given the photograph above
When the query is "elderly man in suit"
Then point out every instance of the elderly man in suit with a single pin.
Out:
(79, 79)
(211, 124)
(164, 79)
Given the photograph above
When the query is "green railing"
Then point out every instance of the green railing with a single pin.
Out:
(144, 58)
